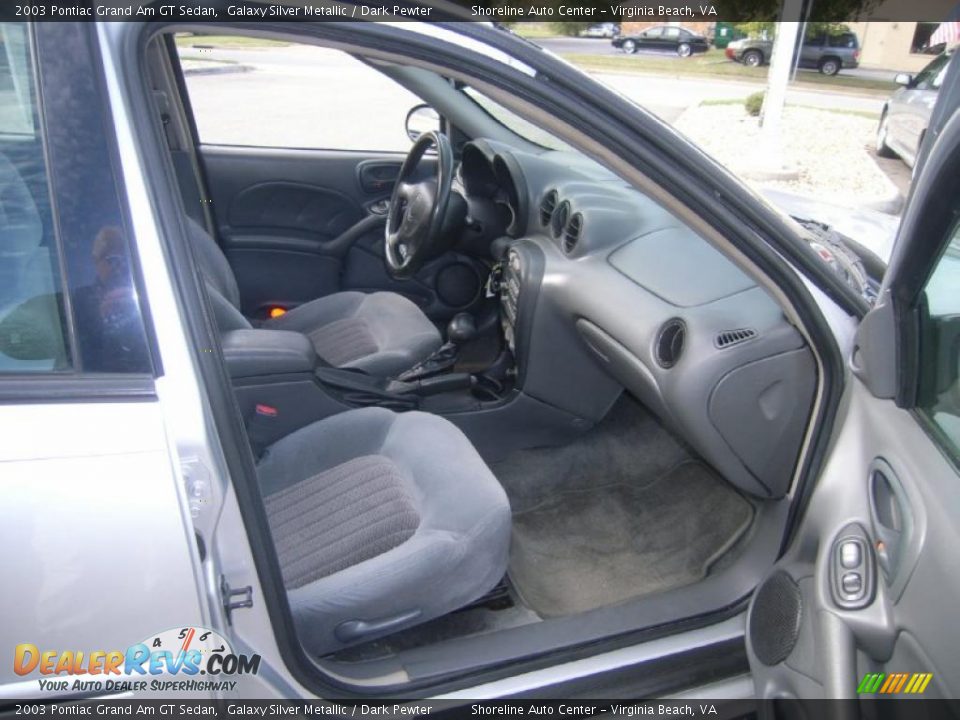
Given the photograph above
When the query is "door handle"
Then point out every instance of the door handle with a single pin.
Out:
(891, 516)
(377, 176)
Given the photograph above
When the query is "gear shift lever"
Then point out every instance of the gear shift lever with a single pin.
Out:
(460, 330)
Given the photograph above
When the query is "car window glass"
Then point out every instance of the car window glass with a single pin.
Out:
(940, 357)
(68, 299)
(262, 93)
(32, 327)
(842, 41)
(671, 33)
(930, 72)
(938, 80)
(653, 33)
(516, 124)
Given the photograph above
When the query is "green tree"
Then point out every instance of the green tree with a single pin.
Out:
(765, 12)
(569, 28)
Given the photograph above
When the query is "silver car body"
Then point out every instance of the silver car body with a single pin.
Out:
(907, 113)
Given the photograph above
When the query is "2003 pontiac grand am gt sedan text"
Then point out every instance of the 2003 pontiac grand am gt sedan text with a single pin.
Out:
(548, 403)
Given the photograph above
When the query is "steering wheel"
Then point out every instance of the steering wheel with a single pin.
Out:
(418, 210)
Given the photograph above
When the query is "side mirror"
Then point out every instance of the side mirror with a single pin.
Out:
(421, 119)
(905, 79)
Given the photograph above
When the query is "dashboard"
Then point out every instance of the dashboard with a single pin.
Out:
(604, 290)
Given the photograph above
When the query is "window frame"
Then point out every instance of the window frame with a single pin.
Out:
(75, 383)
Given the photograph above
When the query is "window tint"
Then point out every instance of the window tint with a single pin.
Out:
(671, 33)
(32, 337)
(68, 300)
(921, 38)
(845, 40)
(940, 353)
(932, 74)
(247, 91)
(653, 33)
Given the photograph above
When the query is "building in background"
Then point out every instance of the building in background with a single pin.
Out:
(903, 46)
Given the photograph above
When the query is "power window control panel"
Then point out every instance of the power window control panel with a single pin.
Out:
(852, 568)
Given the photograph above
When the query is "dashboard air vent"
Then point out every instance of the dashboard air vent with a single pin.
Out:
(547, 205)
(734, 337)
(571, 235)
(559, 220)
(669, 344)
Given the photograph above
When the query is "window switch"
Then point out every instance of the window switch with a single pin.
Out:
(851, 583)
(850, 554)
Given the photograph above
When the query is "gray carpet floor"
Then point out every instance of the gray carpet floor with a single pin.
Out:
(592, 548)
(623, 512)
(628, 446)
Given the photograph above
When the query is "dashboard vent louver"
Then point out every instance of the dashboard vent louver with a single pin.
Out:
(547, 205)
(734, 337)
(559, 220)
(669, 343)
(571, 235)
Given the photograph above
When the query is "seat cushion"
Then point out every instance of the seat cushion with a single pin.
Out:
(340, 517)
(380, 333)
(378, 517)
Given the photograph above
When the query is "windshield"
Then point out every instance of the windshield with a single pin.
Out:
(515, 123)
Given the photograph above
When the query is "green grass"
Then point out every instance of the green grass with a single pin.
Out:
(228, 41)
(714, 64)
(533, 30)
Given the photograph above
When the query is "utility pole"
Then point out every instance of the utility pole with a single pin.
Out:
(781, 65)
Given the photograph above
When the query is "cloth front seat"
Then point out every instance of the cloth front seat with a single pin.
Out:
(381, 521)
(381, 333)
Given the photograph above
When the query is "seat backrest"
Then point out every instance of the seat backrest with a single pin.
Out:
(221, 283)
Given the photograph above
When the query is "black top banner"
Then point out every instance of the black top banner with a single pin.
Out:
(492, 11)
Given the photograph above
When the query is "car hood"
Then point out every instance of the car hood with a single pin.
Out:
(873, 230)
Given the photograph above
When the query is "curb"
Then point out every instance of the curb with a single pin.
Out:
(218, 70)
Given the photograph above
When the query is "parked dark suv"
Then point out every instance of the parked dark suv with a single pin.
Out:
(826, 52)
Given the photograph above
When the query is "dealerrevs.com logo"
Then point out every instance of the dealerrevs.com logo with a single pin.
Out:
(154, 664)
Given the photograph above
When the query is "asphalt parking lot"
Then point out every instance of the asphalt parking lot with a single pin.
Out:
(298, 96)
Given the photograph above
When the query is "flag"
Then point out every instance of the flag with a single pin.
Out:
(948, 32)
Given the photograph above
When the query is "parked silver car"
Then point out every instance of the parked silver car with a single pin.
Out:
(906, 114)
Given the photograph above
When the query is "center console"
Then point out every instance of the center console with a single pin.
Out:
(281, 385)
(510, 298)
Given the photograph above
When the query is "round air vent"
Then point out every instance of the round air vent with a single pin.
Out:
(547, 205)
(559, 220)
(669, 344)
(571, 235)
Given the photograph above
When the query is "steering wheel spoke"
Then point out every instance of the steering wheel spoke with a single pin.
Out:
(416, 217)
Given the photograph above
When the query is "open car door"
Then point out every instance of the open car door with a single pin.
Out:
(863, 604)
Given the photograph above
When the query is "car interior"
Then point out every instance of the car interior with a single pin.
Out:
(501, 401)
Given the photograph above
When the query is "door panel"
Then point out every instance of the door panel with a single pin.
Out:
(899, 627)
(300, 224)
(862, 603)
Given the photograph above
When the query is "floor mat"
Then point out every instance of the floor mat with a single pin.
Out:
(590, 548)
(628, 446)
